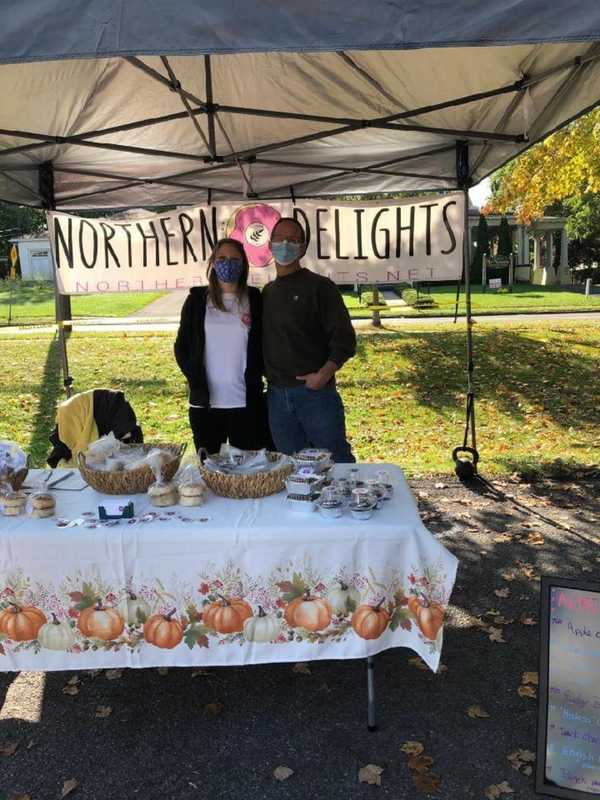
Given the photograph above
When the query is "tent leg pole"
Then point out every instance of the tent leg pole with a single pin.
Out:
(62, 303)
(371, 705)
(465, 468)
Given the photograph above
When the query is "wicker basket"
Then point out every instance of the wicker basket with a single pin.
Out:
(131, 481)
(256, 484)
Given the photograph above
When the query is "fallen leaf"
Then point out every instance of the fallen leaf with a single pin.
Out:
(73, 681)
(196, 673)
(20, 797)
(426, 782)
(370, 774)
(477, 712)
(507, 576)
(441, 485)
(503, 537)
(412, 748)
(526, 691)
(282, 773)
(213, 709)
(530, 677)
(535, 539)
(417, 661)
(301, 668)
(114, 674)
(70, 690)
(163, 671)
(495, 635)
(8, 748)
(502, 592)
(497, 789)
(103, 711)
(420, 763)
(521, 759)
(527, 619)
(93, 673)
(69, 786)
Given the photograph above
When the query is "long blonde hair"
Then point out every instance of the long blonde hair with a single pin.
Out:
(215, 293)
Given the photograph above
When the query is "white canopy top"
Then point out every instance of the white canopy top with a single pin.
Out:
(250, 99)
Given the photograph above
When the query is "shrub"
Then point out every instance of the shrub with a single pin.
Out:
(366, 299)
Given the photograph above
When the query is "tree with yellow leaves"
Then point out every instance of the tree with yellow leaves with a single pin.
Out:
(565, 165)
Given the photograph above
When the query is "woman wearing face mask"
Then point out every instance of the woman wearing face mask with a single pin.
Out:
(218, 349)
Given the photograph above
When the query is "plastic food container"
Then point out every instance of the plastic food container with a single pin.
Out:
(317, 460)
(299, 483)
(362, 511)
(302, 503)
(330, 503)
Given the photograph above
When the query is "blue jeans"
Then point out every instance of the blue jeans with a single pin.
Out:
(301, 417)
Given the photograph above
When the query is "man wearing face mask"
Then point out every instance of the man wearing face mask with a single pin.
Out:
(307, 337)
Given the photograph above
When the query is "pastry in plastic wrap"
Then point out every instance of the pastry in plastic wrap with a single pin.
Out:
(40, 505)
(163, 494)
(192, 489)
(13, 503)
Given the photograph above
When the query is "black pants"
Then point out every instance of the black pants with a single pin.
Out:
(246, 428)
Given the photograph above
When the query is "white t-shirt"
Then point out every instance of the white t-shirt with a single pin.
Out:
(226, 351)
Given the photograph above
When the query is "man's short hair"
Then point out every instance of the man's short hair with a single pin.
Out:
(294, 221)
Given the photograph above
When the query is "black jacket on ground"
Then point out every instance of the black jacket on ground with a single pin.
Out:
(112, 412)
(190, 341)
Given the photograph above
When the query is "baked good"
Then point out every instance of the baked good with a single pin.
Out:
(41, 505)
(192, 494)
(13, 503)
(163, 494)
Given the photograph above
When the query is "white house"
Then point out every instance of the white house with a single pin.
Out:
(541, 249)
(35, 257)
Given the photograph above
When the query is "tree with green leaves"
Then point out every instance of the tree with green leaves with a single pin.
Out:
(17, 221)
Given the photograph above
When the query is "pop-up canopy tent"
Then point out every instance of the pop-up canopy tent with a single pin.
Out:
(129, 103)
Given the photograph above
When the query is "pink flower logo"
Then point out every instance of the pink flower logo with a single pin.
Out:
(204, 588)
(246, 320)
(252, 225)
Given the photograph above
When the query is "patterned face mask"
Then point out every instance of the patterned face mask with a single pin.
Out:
(286, 253)
(228, 270)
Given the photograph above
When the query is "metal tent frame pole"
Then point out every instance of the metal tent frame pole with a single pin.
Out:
(466, 468)
(62, 303)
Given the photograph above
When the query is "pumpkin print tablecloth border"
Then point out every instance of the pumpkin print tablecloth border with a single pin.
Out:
(291, 605)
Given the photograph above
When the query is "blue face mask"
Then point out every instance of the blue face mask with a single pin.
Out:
(286, 253)
(228, 270)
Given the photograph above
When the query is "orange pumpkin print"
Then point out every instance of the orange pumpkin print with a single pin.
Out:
(429, 616)
(227, 615)
(21, 623)
(369, 622)
(101, 622)
(311, 613)
(162, 630)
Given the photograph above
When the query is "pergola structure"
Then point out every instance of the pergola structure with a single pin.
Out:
(126, 104)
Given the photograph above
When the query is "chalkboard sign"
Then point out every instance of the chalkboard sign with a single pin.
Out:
(568, 757)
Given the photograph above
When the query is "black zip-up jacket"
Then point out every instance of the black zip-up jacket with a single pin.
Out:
(189, 347)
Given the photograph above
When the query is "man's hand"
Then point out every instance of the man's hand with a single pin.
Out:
(317, 380)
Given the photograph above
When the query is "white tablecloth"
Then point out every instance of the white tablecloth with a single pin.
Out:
(138, 594)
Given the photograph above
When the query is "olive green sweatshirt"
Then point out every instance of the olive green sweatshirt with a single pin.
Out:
(305, 324)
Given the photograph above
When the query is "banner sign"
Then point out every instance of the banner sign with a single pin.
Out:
(568, 758)
(419, 239)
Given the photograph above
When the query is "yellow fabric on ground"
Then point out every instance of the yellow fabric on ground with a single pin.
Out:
(76, 425)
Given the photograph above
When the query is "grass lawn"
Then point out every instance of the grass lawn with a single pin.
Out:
(524, 298)
(538, 389)
(34, 303)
